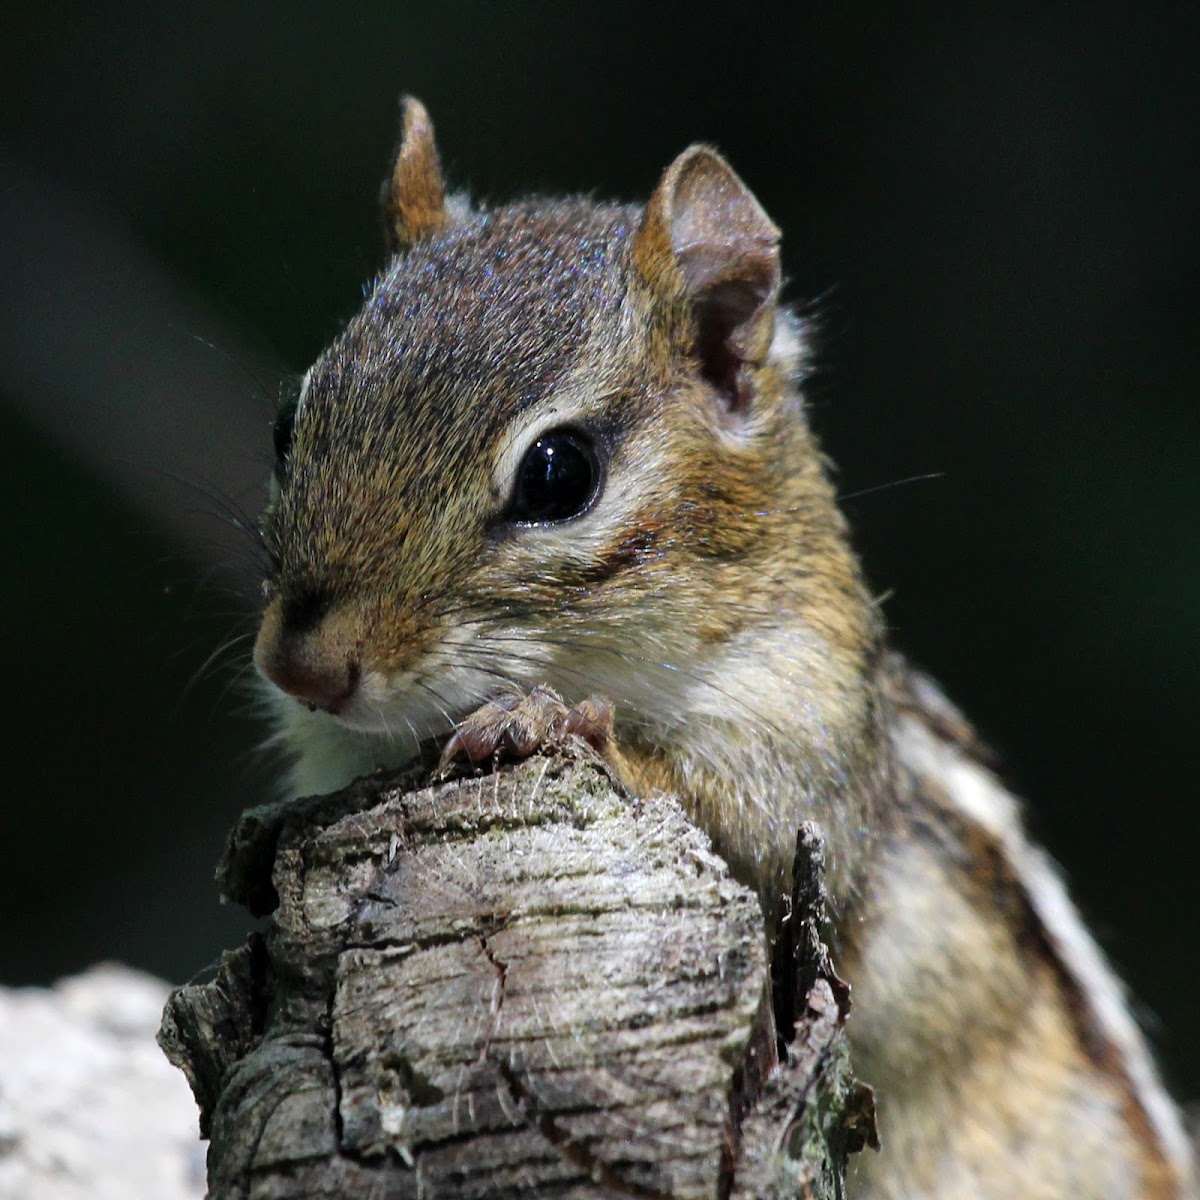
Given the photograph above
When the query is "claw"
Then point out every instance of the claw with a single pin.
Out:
(516, 727)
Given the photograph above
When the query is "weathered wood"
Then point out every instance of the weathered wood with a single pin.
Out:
(810, 1113)
(518, 985)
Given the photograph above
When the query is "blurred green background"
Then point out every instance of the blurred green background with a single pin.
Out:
(997, 205)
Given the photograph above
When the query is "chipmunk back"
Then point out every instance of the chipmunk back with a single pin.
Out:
(563, 444)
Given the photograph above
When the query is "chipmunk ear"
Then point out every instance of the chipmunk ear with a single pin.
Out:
(413, 198)
(703, 226)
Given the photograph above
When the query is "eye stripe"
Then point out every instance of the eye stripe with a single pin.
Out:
(634, 547)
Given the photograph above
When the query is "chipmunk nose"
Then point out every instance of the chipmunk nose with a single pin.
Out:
(317, 683)
(300, 651)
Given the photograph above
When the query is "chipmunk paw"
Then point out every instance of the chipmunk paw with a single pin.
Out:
(516, 727)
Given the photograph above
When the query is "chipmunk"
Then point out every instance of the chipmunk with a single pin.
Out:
(563, 446)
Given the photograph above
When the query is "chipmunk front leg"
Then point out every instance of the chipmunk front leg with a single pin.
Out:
(517, 726)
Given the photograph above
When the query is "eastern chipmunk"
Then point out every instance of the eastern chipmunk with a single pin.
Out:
(563, 443)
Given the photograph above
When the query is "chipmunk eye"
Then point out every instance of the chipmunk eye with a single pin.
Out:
(285, 424)
(558, 478)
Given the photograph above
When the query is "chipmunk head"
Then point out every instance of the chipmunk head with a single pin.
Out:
(560, 443)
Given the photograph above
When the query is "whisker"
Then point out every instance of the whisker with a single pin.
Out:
(488, 669)
(202, 670)
(623, 653)
(383, 720)
(592, 643)
(236, 680)
(895, 483)
(440, 703)
(259, 387)
(226, 508)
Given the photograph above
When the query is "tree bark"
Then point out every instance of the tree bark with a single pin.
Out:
(524, 984)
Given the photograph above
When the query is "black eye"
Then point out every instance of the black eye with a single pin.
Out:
(558, 478)
(285, 424)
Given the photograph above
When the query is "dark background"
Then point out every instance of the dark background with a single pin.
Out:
(1000, 207)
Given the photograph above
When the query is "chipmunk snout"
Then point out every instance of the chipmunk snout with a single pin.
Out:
(312, 661)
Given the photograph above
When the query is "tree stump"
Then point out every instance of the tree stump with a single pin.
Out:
(525, 984)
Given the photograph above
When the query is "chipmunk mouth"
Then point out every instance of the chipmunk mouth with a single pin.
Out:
(411, 704)
(328, 665)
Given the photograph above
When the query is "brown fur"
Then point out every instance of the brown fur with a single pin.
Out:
(1012, 1079)
(711, 593)
(412, 201)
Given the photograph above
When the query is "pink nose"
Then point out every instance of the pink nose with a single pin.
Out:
(316, 667)
(314, 681)
(316, 659)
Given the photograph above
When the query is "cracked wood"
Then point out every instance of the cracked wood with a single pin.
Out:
(518, 985)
